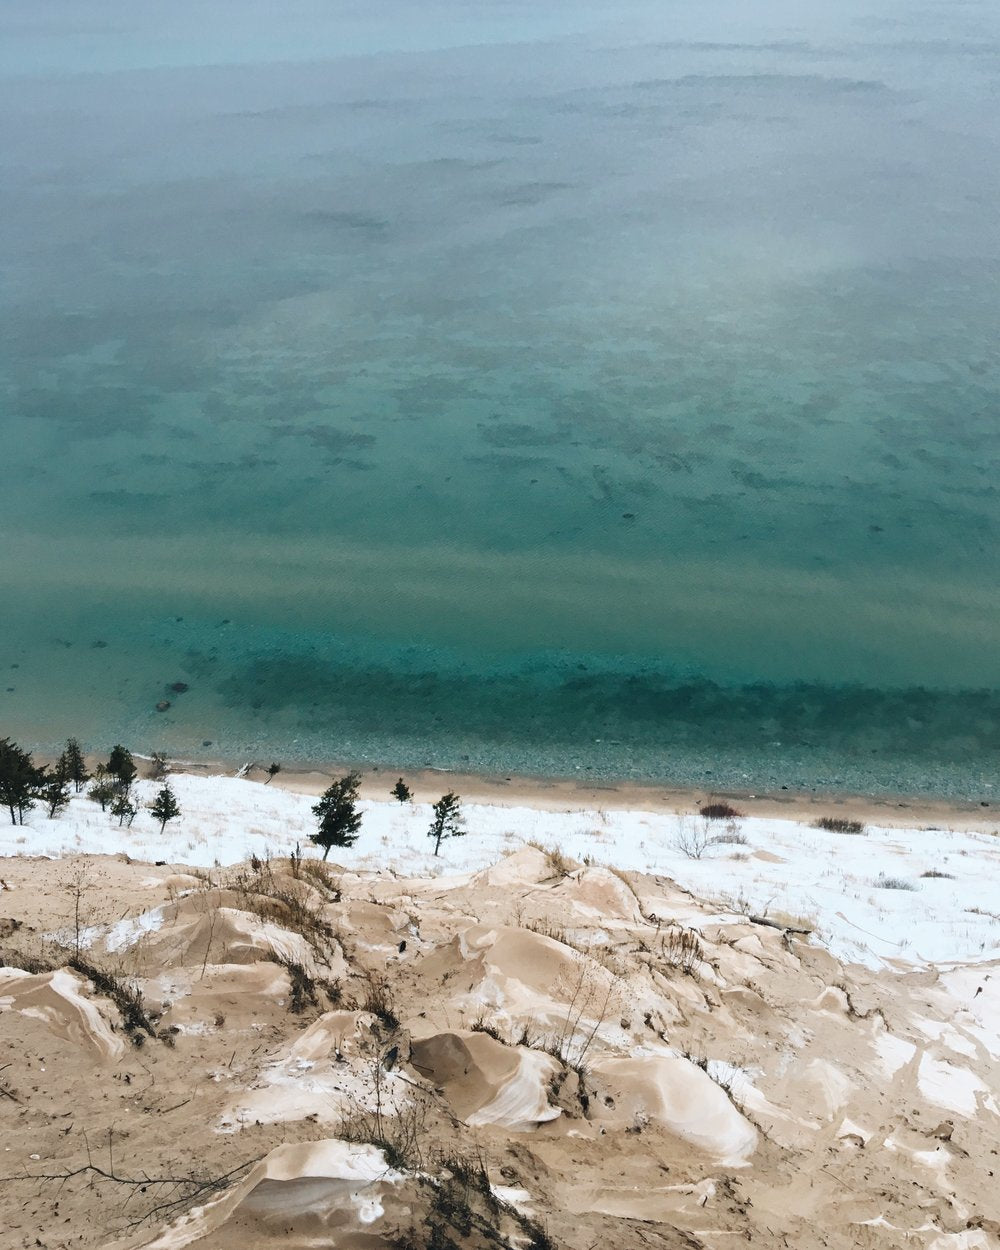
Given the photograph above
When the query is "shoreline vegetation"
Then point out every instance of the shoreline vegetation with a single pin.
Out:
(901, 810)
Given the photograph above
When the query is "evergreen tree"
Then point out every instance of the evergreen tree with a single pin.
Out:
(272, 771)
(339, 819)
(72, 765)
(19, 780)
(53, 790)
(402, 791)
(104, 787)
(447, 822)
(123, 807)
(165, 807)
(121, 767)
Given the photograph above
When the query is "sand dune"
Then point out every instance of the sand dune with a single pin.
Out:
(532, 1050)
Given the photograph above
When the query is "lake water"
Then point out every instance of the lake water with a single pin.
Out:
(563, 388)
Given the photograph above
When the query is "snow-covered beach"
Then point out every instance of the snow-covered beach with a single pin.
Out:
(888, 896)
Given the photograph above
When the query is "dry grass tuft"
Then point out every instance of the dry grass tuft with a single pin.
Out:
(837, 824)
(378, 1000)
(303, 988)
(681, 948)
(276, 900)
(558, 864)
(882, 882)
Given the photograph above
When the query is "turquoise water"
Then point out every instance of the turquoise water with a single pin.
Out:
(555, 388)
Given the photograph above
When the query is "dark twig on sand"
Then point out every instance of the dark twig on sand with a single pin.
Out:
(177, 1192)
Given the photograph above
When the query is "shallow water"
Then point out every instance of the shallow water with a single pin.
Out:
(515, 387)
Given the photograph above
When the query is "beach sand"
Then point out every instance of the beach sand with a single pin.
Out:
(560, 794)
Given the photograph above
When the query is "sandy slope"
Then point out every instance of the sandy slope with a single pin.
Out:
(596, 1058)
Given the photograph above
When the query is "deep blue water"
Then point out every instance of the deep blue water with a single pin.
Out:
(552, 387)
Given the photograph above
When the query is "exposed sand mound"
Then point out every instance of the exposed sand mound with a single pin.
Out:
(369, 1061)
(224, 935)
(486, 1082)
(678, 1095)
(195, 1000)
(325, 1074)
(60, 1001)
(214, 926)
(601, 896)
(527, 866)
(528, 979)
(297, 1194)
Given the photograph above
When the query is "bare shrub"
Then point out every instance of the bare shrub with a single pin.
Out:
(740, 903)
(587, 1002)
(78, 887)
(719, 811)
(164, 1196)
(933, 872)
(526, 1038)
(6, 1090)
(399, 1131)
(882, 882)
(692, 839)
(838, 824)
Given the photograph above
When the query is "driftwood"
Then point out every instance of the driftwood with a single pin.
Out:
(773, 924)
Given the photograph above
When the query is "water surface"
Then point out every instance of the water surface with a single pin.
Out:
(545, 387)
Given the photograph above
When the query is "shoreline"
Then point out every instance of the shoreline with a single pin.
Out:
(566, 794)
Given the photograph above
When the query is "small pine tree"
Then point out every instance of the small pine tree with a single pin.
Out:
(103, 788)
(165, 806)
(339, 819)
(402, 792)
(448, 821)
(272, 771)
(121, 767)
(123, 807)
(53, 790)
(72, 762)
(19, 780)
